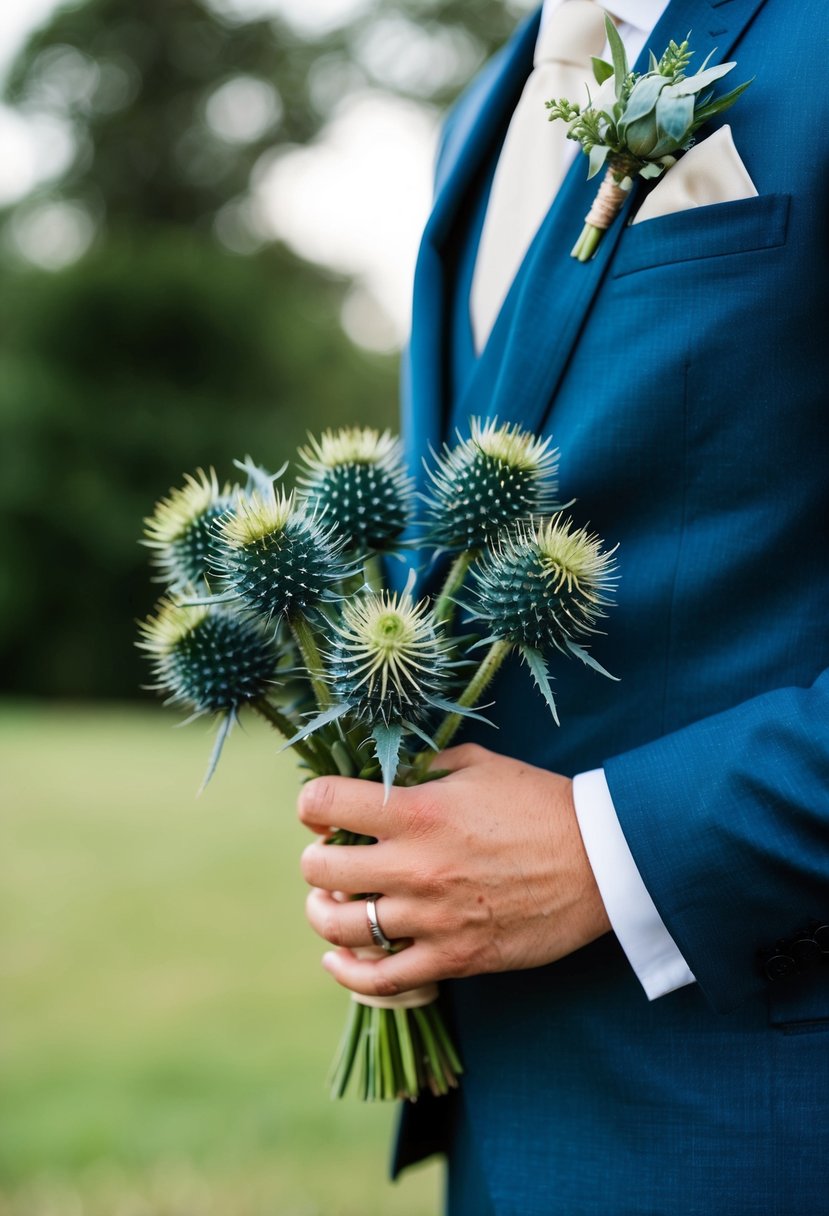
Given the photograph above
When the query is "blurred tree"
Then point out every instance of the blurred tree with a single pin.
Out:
(171, 103)
(160, 349)
(110, 394)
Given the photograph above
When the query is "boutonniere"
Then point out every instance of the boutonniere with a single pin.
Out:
(637, 123)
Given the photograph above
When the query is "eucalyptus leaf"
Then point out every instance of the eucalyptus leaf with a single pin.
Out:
(618, 55)
(720, 105)
(597, 157)
(642, 136)
(674, 119)
(701, 80)
(642, 100)
(602, 70)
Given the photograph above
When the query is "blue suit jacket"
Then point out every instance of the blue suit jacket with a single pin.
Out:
(682, 372)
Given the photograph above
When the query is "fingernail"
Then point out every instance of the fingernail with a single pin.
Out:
(327, 960)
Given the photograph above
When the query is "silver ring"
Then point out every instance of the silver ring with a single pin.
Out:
(377, 935)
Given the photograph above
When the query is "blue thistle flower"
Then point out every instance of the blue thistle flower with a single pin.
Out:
(356, 478)
(208, 660)
(182, 529)
(390, 668)
(497, 478)
(277, 559)
(543, 588)
(389, 662)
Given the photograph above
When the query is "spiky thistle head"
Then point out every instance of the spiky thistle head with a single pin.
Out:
(545, 586)
(499, 477)
(389, 661)
(277, 557)
(206, 658)
(182, 529)
(356, 478)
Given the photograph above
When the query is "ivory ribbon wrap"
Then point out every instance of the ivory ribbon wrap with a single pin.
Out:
(416, 998)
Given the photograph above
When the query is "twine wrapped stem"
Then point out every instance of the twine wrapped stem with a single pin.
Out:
(611, 195)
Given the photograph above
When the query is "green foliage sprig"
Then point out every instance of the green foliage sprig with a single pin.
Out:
(638, 122)
(276, 603)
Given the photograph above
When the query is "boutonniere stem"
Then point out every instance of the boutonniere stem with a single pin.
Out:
(637, 123)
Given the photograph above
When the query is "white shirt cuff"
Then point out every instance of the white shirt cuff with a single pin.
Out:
(650, 949)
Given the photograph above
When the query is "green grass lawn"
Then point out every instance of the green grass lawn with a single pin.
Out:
(165, 1025)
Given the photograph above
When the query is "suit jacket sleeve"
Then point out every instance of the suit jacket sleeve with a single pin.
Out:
(728, 822)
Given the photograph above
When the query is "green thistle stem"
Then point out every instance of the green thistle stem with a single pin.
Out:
(587, 244)
(373, 573)
(287, 729)
(445, 606)
(311, 657)
(481, 680)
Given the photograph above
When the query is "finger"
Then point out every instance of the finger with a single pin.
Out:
(388, 976)
(346, 924)
(346, 802)
(354, 869)
(465, 755)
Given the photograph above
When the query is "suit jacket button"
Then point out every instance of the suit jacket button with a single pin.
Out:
(821, 936)
(805, 950)
(779, 966)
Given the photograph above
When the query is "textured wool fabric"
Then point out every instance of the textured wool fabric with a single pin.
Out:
(683, 377)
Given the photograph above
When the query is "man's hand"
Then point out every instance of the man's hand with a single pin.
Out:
(481, 870)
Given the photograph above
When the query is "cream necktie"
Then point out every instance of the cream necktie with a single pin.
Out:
(533, 160)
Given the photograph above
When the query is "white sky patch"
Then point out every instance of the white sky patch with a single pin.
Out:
(243, 109)
(35, 148)
(306, 16)
(17, 20)
(357, 199)
(52, 235)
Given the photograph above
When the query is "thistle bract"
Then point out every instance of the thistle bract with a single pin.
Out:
(277, 559)
(206, 658)
(356, 478)
(495, 479)
(182, 529)
(545, 586)
(543, 589)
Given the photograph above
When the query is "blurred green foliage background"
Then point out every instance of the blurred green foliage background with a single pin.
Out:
(166, 1027)
(182, 336)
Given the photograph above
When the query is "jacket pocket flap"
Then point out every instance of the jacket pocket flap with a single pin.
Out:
(801, 1003)
(704, 232)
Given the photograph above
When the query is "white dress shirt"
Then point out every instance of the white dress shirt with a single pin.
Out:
(650, 949)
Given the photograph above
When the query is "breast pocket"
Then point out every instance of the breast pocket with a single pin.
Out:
(719, 230)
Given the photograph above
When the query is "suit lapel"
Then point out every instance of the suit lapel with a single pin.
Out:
(479, 123)
(554, 293)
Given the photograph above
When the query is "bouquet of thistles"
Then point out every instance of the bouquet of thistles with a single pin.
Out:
(276, 604)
